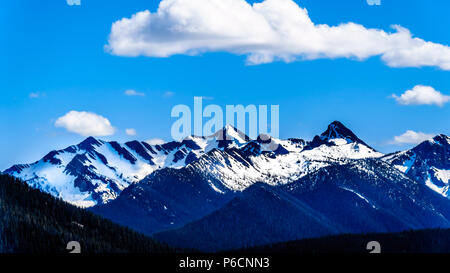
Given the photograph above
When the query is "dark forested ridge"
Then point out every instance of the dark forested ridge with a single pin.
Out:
(413, 241)
(35, 222)
(364, 196)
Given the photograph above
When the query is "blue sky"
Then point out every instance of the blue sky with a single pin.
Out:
(54, 61)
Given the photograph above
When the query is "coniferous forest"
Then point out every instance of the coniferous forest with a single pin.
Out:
(35, 222)
(411, 241)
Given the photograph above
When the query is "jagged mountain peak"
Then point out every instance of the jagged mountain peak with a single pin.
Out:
(427, 163)
(337, 134)
(438, 142)
(89, 143)
(338, 130)
(229, 132)
(441, 139)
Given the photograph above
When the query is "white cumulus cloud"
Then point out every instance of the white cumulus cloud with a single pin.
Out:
(421, 94)
(411, 137)
(267, 31)
(155, 141)
(131, 132)
(131, 92)
(85, 124)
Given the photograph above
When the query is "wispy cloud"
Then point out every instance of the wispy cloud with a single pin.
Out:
(35, 95)
(168, 94)
(266, 31)
(131, 92)
(131, 131)
(421, 95)
(411, 137)
(73, 2)
(155, 141)
(85, 124)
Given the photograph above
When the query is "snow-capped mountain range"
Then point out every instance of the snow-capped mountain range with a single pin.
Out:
(96, 172)
(429, 163)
